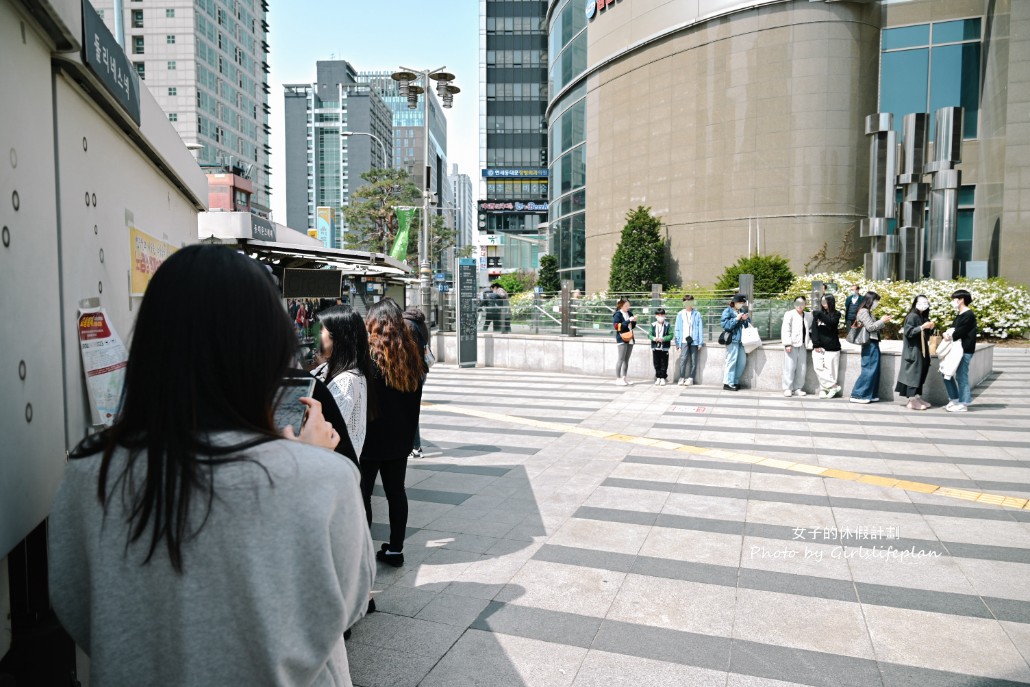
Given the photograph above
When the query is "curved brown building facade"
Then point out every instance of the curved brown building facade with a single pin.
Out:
(740, 130)
(741, 124)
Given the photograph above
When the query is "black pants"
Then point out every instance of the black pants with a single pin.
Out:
(661, 363)
(392, 473)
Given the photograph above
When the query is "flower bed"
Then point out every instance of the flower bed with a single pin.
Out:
(1002, 309)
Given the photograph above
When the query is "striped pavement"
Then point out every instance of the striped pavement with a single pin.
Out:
(565, 531)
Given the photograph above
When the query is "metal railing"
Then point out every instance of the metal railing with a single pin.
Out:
(592, 316)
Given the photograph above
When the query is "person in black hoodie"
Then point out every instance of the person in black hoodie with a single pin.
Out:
(826, 346)
(415, 321)
(395, 397)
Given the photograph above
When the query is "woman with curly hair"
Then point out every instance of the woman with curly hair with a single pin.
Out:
(395, 396)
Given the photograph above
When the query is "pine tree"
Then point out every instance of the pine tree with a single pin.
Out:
(371, 216)
(548, 278)
(639, 259)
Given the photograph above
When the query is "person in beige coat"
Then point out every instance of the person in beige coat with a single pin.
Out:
(796, 337)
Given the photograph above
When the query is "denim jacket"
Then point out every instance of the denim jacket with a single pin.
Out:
(730, 323)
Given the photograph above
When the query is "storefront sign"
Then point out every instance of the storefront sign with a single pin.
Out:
(595, 6)
(147, 255)
(512, 206)
(536, 173)
(261, 229)
(106, 59)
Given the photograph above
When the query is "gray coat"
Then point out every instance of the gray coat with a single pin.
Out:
(915, 352)
(871, 326)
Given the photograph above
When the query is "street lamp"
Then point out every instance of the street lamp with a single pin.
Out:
(406, 85)
(386, 160)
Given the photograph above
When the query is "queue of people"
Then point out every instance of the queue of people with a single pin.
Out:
(202, 516)
(816, 332)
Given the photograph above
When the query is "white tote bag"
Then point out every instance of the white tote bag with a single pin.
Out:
(750, 339)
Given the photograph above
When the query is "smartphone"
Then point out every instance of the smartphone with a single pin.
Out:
(288, 408)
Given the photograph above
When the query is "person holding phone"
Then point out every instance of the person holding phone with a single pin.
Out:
(624, 323)
(395, 398)
(194, 542)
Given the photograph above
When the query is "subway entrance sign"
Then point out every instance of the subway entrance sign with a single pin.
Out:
(468, 311)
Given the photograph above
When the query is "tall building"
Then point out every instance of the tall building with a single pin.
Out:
(464, 212)
(513, 102)
(408, 132)
(336, 130)
(206, 64)
(742, 124)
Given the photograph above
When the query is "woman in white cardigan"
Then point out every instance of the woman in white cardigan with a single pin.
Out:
(347, 367)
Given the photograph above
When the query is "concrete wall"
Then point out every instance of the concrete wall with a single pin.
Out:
(596, 356)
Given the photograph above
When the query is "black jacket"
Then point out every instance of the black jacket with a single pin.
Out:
(965, 331)
(392, 420)
(824, 330)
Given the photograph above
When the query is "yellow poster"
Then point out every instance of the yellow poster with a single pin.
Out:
(147, 255)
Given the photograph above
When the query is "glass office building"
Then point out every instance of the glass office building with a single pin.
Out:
(567, 45)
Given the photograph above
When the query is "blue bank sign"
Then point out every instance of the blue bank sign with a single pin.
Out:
(531, 173)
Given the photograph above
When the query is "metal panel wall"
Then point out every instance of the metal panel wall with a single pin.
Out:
(32, 417)
(97, 161)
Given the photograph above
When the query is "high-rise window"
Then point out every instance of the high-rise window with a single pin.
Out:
(173, 117)
(137, 45)
(170, 39)
(172, 91)
(141, 70)
(170, 13)
(924, 67)
(137, 19)
(171, 65)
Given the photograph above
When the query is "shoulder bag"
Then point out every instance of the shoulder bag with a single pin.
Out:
(725, 337)
(857, 334)
(750, 339)
(934, 342)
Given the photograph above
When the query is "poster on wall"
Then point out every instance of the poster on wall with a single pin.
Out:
(147, 255)
(104, 358)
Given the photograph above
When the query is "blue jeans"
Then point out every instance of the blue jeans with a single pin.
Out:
(958, 386)
(687, 361)
(736, 359)
(868, 383)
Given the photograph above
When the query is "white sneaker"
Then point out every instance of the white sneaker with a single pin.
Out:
(628, 383)
(690, 381)
(788, 393)
(681, 382)
(619, 381)
(662, 383)
(859, 400)
(951, 404)
(657, 382)
(957, 408)
(800, 392)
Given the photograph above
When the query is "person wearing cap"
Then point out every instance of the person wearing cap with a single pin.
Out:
(661, 336)
(734, 320)
(796, 337)
(689, 337)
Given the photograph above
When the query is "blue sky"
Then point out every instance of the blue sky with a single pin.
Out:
(381, 34)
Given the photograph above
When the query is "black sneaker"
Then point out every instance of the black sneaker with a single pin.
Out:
(389, 557)
(730, 387)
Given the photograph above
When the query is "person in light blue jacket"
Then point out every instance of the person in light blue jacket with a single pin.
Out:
(689, 338)
(734, 320)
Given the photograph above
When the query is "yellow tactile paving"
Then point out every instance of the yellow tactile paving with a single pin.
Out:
(818, 470)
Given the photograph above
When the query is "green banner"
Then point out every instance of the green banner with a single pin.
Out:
(400, 244)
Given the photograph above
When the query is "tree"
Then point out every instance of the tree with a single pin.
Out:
(547, 277)
(517, 282)
(772, 273)
(441, 237)
(372, 214)
(639, 259)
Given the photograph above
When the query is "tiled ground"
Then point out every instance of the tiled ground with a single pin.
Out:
(537, 557)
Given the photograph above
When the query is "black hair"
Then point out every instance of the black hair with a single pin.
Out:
(966, 297)
(659, 311)
(925, 316)
(688, 297)
(184, 381)
(346, 328)
(867, 300)
(831, 302)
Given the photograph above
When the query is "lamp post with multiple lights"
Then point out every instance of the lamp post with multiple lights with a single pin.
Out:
(412, 83)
